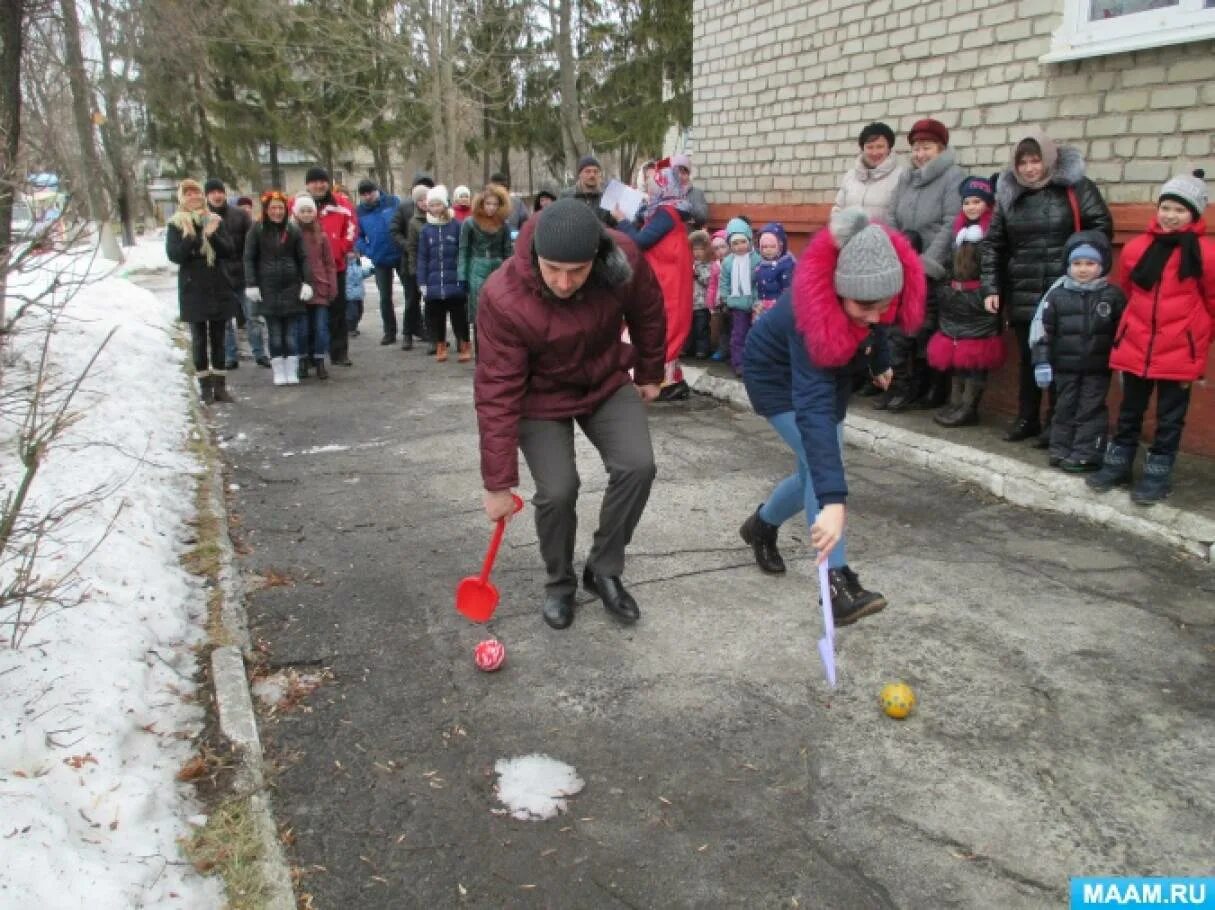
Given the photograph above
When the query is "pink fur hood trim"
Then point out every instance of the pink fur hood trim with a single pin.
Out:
(831, 337)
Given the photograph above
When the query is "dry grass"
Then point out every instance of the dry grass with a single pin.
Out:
(229, 846)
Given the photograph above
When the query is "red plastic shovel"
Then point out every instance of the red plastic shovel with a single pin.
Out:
(476, 597)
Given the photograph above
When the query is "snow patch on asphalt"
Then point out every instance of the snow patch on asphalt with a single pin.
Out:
(535, 787)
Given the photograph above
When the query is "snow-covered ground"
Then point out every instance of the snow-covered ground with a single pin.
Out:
(94, 717)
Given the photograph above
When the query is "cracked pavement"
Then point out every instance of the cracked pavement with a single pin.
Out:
(1064, 676)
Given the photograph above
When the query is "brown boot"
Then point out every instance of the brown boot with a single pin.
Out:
(441, 352)
(465, 352)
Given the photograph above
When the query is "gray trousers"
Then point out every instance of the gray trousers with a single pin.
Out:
(1081, 423)
(621, 433)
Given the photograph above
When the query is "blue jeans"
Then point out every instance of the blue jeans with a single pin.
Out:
(253, 325)
(282, 333)
(312, 333)
(796, 492)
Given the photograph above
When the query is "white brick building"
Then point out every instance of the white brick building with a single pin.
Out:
(783, 87)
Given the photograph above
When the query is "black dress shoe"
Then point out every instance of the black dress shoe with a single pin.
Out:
(1022, 428)
(558, 610)
(616, 599)
(388, 339)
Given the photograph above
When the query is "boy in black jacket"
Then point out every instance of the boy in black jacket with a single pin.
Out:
(1080, 315)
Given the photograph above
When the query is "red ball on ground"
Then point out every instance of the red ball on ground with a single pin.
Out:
(489, 655)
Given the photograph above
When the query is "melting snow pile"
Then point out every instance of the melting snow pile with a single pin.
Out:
(534, 787)
(97, 703)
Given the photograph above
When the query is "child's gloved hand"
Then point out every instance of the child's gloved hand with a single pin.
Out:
(305, 292)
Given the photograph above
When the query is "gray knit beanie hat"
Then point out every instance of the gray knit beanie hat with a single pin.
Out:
(1189, 190)
(568, 231)
(868, 267)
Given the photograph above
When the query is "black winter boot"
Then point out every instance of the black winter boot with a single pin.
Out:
(206, 391)
(302, 371)
(762, 538)
(935, 388)
(1155, 484)
(943, 416)
(849, 600)
(219, 389)
(322, 371)
(903, 388)
(1023, 428)
(1115, 470)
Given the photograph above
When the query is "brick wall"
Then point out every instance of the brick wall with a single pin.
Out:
(782, 88)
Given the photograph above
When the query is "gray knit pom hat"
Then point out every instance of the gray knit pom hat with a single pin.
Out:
(568, 231)
(1189, 190)
(868, 267)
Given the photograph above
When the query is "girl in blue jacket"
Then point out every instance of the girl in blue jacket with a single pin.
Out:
(854, 279)
(443, 292)
(774, 274)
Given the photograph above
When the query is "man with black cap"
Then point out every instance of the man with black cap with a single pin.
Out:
(549, 324)
(518, 211)
(237, 223)
(337, 219)
(589, 188)
(376, 212)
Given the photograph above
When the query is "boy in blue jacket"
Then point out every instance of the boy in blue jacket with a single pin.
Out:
(375, 211)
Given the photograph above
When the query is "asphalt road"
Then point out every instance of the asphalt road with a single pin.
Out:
(1064, 676)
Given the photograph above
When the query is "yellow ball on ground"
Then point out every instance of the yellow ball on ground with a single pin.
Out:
(897, 699)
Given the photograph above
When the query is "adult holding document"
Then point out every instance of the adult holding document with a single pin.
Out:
(588, 188)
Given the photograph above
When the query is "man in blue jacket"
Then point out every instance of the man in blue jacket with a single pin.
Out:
(376, 210)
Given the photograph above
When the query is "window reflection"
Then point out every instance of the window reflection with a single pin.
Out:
(1112, 9)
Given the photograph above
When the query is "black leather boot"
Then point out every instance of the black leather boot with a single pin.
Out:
(945, 414)
(610, 590)
(558, 610)
(1023, 428)
(903, 387)
(849, 600)
(761, 537)
(219, 389)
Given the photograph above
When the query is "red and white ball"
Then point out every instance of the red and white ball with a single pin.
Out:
(490, 655)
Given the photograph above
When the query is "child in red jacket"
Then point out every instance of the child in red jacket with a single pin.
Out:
(1168, 275)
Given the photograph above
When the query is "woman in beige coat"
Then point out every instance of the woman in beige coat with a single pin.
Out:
(870, 183)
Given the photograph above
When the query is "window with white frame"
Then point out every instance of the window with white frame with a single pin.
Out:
(1093, 28)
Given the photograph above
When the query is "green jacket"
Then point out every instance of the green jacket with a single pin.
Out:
(480, 253)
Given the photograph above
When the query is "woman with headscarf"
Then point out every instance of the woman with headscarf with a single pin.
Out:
(664, 241)
(1041, 201)
(197, 242)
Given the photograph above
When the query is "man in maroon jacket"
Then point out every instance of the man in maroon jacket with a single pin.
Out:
(549, 323)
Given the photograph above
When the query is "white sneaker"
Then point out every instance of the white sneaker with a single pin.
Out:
(293, 370)
(279, 366)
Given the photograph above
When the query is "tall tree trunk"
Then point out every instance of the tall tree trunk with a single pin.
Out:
(82, 112)
(112, 135)
(12, 14)
(276, 169)
(485, 139)
(209, 158)
(573, 136)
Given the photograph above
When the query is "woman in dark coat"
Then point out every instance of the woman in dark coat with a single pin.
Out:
(1041, 201)
(197, 242)
(280, 283)
(855, 279)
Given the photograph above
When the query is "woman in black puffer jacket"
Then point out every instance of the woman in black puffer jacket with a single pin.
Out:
(1041, 201)
(279, 280)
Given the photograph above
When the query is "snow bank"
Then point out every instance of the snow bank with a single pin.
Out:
(94, 725)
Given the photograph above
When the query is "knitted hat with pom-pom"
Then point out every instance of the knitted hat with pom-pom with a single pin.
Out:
(868, 267)
(1189, 190)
